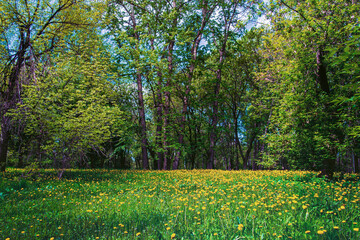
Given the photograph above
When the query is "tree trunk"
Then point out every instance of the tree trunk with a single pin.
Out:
(145, 160)
(329, 162)
(167, 113)
(214, 120)
(4, 142)
(159, 126)
(256, 151)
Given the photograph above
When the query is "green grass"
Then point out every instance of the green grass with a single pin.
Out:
(198, 204)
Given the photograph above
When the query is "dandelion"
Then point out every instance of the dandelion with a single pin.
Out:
(304, 207)
(336, 227)
(320, 232)
(240, 227)
(215, 234)
(138, 234)
(173, 235)
(307, 231)
(356, 229)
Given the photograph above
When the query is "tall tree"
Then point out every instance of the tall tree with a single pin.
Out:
(30, 30)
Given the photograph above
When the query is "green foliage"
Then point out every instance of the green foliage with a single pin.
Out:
(72, 107)
(308, 123)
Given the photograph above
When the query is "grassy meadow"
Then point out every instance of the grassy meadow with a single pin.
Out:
(192, 204)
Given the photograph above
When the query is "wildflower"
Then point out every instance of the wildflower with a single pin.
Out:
(138, 234)
(215, 234)
(304, 207)
(240, 227)
(173, 235)
(320, 232)
(356, 229)
(307, 231)
(336, 227)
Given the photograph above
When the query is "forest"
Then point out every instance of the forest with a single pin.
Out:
(180, 84)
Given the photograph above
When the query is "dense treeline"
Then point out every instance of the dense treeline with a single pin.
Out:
(172, 84)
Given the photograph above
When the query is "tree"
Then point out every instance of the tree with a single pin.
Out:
(31, 30)
(305, 83)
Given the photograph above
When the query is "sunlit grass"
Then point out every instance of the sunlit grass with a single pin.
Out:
(196, 204)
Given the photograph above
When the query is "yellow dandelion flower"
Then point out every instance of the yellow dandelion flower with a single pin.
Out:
(215, 234)
(307, 232)
(356, 229)
(304, 207)
(320, 232)
(173, 235)
(240, 227)
(336, 227)
(138, 234)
